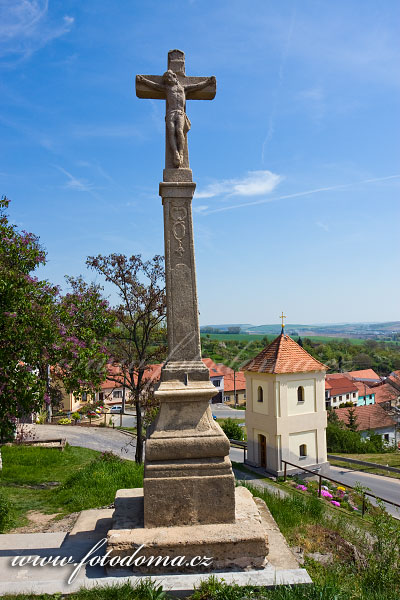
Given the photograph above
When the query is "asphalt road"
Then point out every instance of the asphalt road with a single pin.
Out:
(385, 487)
(223, 412)
(96, 438)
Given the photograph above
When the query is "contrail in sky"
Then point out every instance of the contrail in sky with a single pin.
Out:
(299, 194)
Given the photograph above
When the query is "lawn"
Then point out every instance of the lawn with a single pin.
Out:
(391, 459)
(50, 481)
(363, 558)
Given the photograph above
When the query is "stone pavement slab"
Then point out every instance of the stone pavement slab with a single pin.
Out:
(91, 527)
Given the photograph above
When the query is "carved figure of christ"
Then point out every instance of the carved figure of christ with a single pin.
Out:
(176, 92)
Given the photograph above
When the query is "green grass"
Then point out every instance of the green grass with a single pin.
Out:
(51, 481)
(392, 459)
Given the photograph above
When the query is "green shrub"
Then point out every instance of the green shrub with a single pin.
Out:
(5, 511)
(343, 440)
(64, 421)
(232, 430)
(76, 416)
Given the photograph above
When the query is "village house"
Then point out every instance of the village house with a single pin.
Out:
(372, 418)
(234, 381)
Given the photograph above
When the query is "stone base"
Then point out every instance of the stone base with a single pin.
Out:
(239, 545)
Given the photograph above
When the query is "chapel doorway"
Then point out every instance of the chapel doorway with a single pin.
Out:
(262, 442)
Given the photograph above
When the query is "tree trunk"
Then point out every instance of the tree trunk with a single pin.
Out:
(139, 438)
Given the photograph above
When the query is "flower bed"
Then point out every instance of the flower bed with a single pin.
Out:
(336, 495)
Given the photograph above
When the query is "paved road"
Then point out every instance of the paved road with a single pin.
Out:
(385, 487)
(128, 420)
(223, 412)
(96, 438)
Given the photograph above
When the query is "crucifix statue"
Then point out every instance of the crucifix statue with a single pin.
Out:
(175, 87)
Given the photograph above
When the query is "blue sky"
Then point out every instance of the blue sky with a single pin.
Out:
(296, 160)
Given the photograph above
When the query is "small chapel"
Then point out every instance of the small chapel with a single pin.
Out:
(285, 414)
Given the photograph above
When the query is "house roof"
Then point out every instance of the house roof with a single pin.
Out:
(368, 417)
(365, 374)
(385, 393)
(212, 367)
(341, 385)
(363, 388)
(284, 355)
(328, 386)
(152, 372)
(229, 382)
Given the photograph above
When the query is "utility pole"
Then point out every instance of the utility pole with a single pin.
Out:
(234, 387)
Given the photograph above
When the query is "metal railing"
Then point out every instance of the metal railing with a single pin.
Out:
(321, 477)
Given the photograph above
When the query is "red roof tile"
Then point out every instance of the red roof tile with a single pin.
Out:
(239, 379)
(212, 367)
(341, 385)
(365, 374)
(368, 417)
(363, 388)
(284, 355)
(386, 393)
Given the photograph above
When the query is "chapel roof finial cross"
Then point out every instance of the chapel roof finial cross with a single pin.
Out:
(282, 317)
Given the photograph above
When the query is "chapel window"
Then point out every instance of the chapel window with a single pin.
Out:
(300, 394)
(303, 450)
(260, 394)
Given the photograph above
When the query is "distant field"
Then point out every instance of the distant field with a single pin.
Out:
(249, 337)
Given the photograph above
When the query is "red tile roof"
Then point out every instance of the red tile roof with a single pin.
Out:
(212, 367)
(284, 355)
(363, 388)
(327, 385)
(368, 417)
(152, 372)
(386, 393)
(229, 381)
(341, 385)
(365, 374)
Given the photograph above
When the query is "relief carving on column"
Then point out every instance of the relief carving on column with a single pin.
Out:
(178, 215)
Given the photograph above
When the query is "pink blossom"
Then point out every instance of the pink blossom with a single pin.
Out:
(301, 487)
(326, 494)
(335, 503)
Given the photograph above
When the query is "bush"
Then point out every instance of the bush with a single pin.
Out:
(64, 421)
(76, 416)
(232, 430)
(5, 510)
(343, 440)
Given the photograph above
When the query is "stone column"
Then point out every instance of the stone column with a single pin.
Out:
(188, 475)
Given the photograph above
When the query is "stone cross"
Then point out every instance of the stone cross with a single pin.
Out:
(188, 477)
(175, 87)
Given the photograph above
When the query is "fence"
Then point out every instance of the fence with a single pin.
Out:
(320, 477)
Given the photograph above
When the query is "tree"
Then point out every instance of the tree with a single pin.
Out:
(85, 321)
(27, 326)
(352, 420)
(138, 338)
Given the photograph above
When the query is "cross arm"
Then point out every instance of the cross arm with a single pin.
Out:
(150, 86)
(200, 88)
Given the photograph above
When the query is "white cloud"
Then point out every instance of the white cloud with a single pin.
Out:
(25, 27)
(340, 186)
(254, 183)
(73, 183)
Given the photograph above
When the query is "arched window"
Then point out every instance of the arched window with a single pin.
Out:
(303, 450)
(300, 394)
(260, 394)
